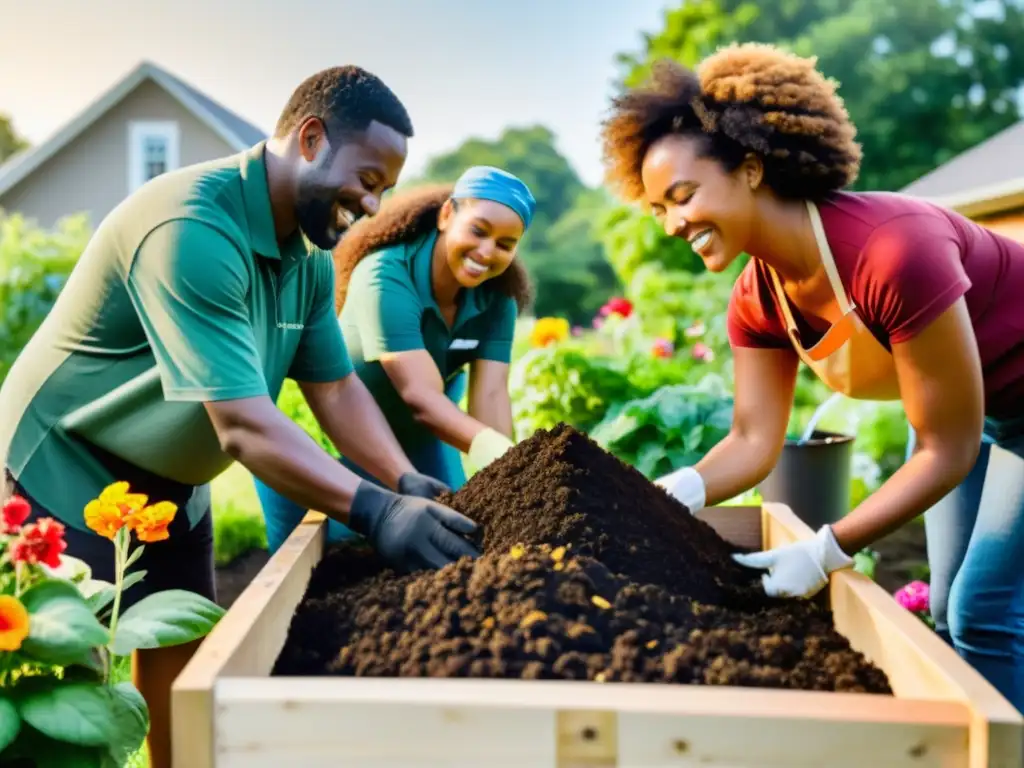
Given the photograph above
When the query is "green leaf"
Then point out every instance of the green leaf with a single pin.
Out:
(10, 722)
(648, 458)
(62, 626)
(132, 579)
(98, 594)
(78, 713)
(134, 557)
(171, 617)
(131, 717)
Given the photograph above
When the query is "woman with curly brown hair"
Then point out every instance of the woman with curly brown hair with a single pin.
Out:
(881, 295)
(427, 288)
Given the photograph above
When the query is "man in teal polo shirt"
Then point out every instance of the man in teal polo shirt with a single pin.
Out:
(162, 359)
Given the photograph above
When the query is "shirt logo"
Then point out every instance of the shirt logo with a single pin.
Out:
(291, 326)
(464, 344)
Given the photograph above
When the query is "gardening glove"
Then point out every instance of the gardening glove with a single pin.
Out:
(489, 445)
(417, 484)
(686, 486)
(800, 569)
(410, 533)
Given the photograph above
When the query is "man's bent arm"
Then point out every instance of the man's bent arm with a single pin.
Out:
(261, 438)
(356, 425)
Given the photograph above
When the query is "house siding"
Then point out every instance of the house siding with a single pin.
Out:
(90, 174)
(1009, 223)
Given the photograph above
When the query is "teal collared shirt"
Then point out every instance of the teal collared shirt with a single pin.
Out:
(390, 307)
(182, 296)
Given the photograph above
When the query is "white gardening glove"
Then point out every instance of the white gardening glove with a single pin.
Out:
(686, 486)
(489, 445)
(800, 569)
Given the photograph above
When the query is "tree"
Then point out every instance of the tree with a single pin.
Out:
(10, 142)
(923, 80)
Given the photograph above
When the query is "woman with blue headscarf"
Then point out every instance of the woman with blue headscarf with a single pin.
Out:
(428, 292)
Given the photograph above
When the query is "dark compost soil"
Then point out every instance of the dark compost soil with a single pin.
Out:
(589, 572)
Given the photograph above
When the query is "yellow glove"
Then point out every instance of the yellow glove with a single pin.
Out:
(489, 445)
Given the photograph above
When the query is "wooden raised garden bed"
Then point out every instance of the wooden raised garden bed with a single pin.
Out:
(229, 712)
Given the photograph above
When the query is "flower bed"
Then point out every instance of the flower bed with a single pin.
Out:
(61, 632)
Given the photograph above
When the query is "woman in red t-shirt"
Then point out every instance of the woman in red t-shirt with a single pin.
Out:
(883, 296)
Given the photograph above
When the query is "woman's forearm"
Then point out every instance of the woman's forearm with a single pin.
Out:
(910, 491)
(735, 465)
(355, 424)
(444, 419)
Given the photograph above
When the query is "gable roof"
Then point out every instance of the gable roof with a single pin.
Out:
(235, 130)
(987, 178)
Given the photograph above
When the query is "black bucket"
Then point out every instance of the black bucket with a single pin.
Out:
(813, 478)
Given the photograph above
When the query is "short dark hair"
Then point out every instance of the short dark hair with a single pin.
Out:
(746, 98)
(346, 98)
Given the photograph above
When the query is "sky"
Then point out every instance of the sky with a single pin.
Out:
(463, 69)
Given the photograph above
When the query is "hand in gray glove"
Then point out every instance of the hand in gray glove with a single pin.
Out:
(409, 532)
(425, 486)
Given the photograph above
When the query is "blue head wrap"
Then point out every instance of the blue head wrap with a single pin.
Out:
(484, 182)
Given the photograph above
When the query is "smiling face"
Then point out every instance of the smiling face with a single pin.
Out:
(480, 238)
(698, 199)
(340, 183)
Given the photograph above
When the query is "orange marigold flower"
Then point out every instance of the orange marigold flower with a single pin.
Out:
(14, 623)
(107, 514)
(150, 524)
(104, 519)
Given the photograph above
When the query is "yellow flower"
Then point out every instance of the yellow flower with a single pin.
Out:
(549, 329)
(118, 495)
(13, 623)
(150, 524)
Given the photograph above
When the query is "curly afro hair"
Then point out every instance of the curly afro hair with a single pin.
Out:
(746, 98)
(401, 219)
(348, 98)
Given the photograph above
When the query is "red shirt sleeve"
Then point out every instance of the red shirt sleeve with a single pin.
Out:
(751, 319)
(910, 272)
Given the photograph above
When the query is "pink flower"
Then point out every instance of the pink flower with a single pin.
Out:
(702, 352)
(577, 330)
(662, 348)
(598, 322)
(913, 596)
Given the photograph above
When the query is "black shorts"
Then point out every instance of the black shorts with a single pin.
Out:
(182, 561)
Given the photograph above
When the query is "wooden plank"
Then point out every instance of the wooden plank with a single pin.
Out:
(387, 723)
(246, 641)
(739, 525)
(918, 662)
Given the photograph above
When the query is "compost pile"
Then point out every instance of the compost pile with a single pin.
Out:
(588, 572)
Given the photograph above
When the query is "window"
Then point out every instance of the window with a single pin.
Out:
(153, 149)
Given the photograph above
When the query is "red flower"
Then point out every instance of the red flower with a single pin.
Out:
(41, 542)
(13, 514)
(617, 306)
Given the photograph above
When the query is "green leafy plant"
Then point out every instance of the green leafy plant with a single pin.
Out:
(34, 265)
(562, 382)
(61, 630)
(673, 427)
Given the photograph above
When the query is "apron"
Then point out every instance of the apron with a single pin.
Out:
(848, 358)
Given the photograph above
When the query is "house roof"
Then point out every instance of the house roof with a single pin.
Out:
(239, 133)
(985, 179)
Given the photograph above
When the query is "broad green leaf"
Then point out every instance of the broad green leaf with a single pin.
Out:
(131, 716)
(648, 457)
(10, 722)
(62, 627)
(694, 437)
(171, 617)
(78, 713)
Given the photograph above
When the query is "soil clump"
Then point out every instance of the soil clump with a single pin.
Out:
(589, 572)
